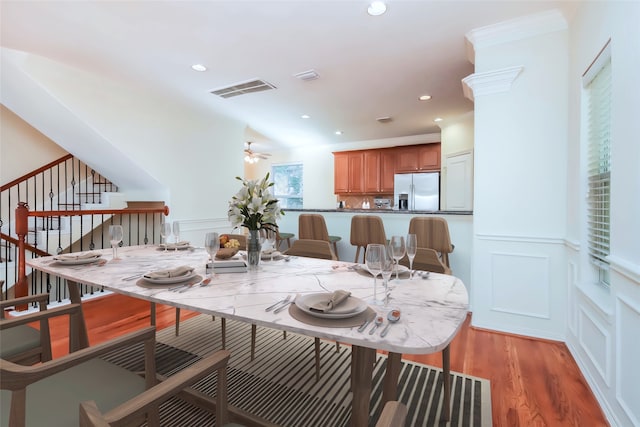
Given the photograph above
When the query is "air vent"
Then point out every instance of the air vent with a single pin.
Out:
(307, 75)
(243, 88)
(386, 119)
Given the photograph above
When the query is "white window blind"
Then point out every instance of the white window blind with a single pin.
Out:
(599, 167)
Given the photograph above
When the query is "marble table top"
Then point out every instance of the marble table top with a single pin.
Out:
(432, 309)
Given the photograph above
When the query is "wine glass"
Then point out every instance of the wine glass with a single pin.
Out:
(374, 256)
(412, 248)
(387, 270)
(271, 240)
(212, 244)
(176, 232)
(115, 237)
(397, 249)
(165, 232)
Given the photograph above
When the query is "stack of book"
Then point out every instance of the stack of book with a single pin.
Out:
(233, 265)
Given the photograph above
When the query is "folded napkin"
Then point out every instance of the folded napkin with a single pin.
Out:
(178, 244)
(75, 257)
(183, 270)
(332, 301)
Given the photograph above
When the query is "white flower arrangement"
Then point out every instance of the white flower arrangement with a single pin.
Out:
(254, 207)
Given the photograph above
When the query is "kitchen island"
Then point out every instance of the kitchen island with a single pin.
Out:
(396, 222)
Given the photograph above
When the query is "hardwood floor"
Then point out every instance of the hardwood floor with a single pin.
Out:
(533, 382)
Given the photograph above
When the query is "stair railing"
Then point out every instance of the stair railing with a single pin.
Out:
(63, 184)
(141, 226)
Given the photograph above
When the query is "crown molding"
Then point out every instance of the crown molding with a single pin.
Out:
(479, 84)
(514, 29)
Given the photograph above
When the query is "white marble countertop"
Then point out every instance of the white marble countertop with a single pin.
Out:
(433, 309)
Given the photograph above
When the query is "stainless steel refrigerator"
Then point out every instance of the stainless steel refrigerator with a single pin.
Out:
(422, 190)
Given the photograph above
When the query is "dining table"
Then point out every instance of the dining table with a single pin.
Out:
(432, 307)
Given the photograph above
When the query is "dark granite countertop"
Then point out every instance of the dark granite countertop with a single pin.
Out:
(386, 211)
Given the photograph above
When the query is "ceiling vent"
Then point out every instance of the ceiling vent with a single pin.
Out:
(386, 119)
(243, 88)
(307, 75)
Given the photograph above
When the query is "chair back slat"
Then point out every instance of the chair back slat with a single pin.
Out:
(311, 249)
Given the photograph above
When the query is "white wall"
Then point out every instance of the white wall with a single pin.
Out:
(520, 187)
(144, 144)
(603, 325)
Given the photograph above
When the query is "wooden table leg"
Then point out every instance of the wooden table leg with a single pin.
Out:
(362, 360)
(79, 338)
(153, 314)
(390, 387)
(446, 383)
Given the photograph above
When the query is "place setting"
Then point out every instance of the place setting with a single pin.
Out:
(81, 258)
(173, 278)
(337, 309)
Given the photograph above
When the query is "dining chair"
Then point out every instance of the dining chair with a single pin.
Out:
(427, 259)
(432, 232)
(312, 249)
(394, 414)
(81, 388)
(25, 345)
(314, 227)
(283, 237)
(366, 229)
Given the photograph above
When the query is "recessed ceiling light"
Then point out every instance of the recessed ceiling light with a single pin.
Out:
(198, 67)
(437, 119)
(377, 8)
(424, 97)
(338, 132)
(305, 116)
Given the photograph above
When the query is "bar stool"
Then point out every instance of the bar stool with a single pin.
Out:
(433, 233)
(313, 227)
(366, 229)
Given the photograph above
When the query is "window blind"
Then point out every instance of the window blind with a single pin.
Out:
(599, 167)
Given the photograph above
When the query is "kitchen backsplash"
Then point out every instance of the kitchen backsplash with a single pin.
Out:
(355, 202)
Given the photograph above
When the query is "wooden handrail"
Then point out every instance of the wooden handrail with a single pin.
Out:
(22, 228)
(31, 248)
(36, 172)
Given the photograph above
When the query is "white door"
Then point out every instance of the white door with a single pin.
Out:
(459, 182)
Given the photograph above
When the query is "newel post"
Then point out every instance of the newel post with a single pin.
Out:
(22, 228)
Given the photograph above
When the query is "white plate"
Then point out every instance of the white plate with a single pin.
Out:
(349, 308)
(78, 261)
(266, 256)
(169, 280)
(361, 268)
(172, 246)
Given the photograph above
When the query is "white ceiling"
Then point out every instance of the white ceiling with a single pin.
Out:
(369, 67)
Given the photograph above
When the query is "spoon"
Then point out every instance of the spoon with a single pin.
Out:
(376, 323)
(393, 316)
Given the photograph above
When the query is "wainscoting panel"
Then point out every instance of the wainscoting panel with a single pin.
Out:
(628, 357)
(194, 230)
(572, 282)
(520, 284)
(595, 341)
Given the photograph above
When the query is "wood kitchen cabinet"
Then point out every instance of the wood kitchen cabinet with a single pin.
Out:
(387, 170)
(418, 158)
(372, 171)
(348, 176)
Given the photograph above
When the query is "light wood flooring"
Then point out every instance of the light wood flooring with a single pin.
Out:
(533, 382)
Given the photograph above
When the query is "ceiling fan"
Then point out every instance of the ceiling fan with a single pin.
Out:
(251, 156)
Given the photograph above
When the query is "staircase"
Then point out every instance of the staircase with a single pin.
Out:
(64, 189)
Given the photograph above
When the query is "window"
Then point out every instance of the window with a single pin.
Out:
(597, 83)
(287, 188)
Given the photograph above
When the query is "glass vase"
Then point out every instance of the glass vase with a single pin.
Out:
(253, 249)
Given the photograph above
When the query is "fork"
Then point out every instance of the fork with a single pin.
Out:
(284, 301)
(282, 307)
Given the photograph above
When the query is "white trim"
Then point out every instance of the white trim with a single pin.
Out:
(525, 239)
(488, 83)
(625, 268)
(623, 404)
(604, 371)
(514, 29)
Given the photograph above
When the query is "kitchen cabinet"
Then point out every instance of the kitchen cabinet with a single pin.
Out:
(348, 172)
(372, 171)
(417, 158)
(387, 170)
